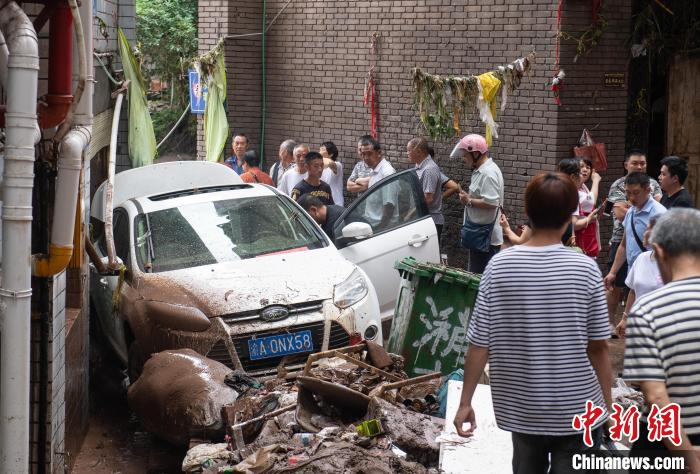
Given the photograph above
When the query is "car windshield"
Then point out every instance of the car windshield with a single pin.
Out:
(221, 231)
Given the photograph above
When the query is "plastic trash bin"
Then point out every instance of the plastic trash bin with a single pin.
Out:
(431, 316)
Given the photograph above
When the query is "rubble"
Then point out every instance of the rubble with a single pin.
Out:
(345, 413)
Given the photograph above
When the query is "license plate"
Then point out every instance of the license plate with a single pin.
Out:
(280, 345)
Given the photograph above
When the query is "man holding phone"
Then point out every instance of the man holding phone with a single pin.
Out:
(617, 206)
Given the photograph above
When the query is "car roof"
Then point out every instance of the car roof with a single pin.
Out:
(163, 178)
(157, 202)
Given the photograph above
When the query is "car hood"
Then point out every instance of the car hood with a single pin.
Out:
(251, 284)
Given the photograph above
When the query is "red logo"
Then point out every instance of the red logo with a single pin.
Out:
(624, 423)
(665, 423)
(586, 421)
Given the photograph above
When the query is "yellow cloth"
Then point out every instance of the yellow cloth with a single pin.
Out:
(489, 85)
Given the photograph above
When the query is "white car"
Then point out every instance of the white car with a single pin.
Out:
(240, 273)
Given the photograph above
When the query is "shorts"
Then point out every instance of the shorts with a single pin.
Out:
(622, 273)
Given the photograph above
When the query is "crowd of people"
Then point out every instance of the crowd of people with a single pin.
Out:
(544, 311)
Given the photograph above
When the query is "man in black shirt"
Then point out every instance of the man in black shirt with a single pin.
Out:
(312, 184)
(674, 171)
(325, 216)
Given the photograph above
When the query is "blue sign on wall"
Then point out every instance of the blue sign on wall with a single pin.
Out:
(198, 93)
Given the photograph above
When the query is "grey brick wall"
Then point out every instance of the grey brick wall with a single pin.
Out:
(318, 56)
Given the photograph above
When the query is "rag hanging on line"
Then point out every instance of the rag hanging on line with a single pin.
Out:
(370, 94)
(488, 85)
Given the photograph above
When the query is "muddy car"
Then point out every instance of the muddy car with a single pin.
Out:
(239, 272)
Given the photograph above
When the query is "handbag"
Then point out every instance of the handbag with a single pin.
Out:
(596, 151)
(477, 236)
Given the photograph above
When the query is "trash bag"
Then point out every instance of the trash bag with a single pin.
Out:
(180, 394)
(142, 138)
(442, 393)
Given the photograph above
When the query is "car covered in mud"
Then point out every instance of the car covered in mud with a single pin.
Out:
(239, 272)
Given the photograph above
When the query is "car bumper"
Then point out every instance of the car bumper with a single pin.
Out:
(226, 341)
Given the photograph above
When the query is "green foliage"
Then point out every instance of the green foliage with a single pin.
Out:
(166, 32)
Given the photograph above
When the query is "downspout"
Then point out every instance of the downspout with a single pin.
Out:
(15, 294)
(4, 53)
(263, 99)
(70, 159)
(60, 87)
(108, 210)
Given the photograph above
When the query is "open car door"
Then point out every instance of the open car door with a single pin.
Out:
(387, 223)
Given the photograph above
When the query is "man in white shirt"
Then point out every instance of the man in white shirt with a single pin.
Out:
(286, 161)
(294, 175)
(380, 206)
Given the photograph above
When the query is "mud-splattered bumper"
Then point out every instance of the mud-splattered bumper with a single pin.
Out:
(227, 339)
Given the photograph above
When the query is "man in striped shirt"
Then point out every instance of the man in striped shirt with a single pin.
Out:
(663, 331)
(541, 323)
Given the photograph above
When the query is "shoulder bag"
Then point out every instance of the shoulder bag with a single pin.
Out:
(477, 236)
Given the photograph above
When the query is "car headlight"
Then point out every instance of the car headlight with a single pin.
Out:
(349, 292)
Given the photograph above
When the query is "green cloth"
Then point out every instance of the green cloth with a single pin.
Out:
(142, 139)
(215, 121)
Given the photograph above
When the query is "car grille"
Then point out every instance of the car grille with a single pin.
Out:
(294, 310)
(338, 338)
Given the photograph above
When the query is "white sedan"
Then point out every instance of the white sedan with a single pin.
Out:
(240, 273)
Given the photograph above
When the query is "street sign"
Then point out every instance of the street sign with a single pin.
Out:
(198, 92)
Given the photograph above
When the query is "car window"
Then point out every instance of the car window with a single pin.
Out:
(392, 203)
(222, 231)
(121, 236)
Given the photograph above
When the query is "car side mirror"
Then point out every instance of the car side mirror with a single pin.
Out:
(357, 231)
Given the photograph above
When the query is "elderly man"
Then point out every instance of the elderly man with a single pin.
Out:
(482, 202)
(295, 174)
(286, 161)
(663, 331)
(429, 175)
(382, 205)
(239, 145)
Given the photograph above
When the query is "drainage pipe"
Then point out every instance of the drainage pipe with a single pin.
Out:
(82, 73)
(109, 187)
(4, 53)
(70, 162)
(60, 88)
(15, 292)
(70, 158)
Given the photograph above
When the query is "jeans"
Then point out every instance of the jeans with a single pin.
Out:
(478, 260)
(540, 454)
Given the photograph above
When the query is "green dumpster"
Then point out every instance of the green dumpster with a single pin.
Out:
(432, 315)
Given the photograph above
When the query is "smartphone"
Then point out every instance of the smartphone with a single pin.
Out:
(607, 207)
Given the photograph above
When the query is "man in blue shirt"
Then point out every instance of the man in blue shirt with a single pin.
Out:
(239, 145)
(644, 207)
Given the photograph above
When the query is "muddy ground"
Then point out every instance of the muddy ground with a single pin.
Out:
(116, 442)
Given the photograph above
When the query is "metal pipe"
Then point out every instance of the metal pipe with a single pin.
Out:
(59, 98)
(4, 53)
(109, 187)
(70, 162)
(82, 73)
(177, 124)
(16, 290)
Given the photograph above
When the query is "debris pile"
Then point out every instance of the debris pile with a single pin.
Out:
(351, 410)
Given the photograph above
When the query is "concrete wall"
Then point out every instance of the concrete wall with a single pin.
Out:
(318, 54)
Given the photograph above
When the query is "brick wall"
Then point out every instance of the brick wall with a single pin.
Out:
(213, 24)
(318, 55)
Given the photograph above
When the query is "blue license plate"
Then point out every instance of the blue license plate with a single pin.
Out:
(280, 345)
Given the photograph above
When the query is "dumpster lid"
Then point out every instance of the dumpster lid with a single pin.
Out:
(441, 272)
